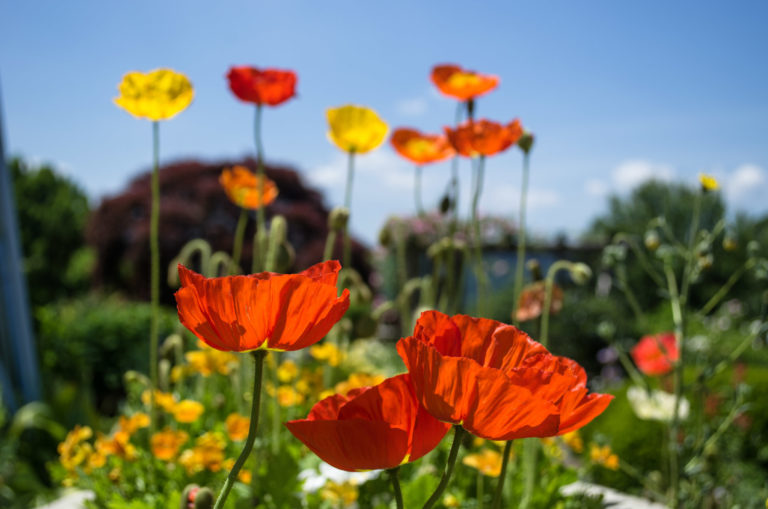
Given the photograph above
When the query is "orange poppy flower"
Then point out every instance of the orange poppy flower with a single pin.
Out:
(265, 310)
(484, 137)
(655, 354)
(531, 301)
(461, 84)
(494, 380)
(268, 86)
(375, 427)
(243, 187)
(421, 148)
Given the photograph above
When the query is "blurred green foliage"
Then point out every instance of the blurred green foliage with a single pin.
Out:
(86, 344)
(52, 212)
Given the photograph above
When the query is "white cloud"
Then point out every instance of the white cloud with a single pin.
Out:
(743, 181)
(630, 174)
(596, 187)
(505, 200)
(414, 107)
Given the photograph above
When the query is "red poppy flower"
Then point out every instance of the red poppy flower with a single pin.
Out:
(655, 354)
(375, 427)
(484, 137)
(268, 86)
(461, 84)
(421, 148)
(265, 310)
(494, 380)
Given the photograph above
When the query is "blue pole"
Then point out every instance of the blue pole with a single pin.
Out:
(17, 341)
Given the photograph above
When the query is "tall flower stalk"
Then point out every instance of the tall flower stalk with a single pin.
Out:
(154, 248)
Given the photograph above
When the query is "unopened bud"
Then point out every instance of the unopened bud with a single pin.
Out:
(534, 267)
(526, 142)
(278, 230)
(188, 496)
(729, 242)
(580, 273)
(652, 240)
(203, 499)
(445, 204)
(338, 218)
(705, 261)
(385, 236)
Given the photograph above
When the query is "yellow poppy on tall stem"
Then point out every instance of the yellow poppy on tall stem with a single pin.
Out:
(156, 95)
(355, 130)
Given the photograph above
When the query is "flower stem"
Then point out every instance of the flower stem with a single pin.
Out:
(348, 204)
(482, 283)
(498, 495)
(260, 238)
(258, 355)
(549, 282)
(677, 317)
(393, 475)
(520, 262)
(530, 457)
(417, 191)
(238, 244)
(154, 249)
(458, 433)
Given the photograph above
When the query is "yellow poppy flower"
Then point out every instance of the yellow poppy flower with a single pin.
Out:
(573, 440)
(603, 456)
(155, 95)
(187, 410)
(208, 453)
(164, 400)
(288, 396)
(287, 371)
(237, 426)
(708, 183)
(134, 422)
(327, 352)
(488, 462)
(355, 129)
(165, 444)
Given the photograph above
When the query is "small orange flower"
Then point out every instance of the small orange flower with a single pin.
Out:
(484, 137)
(461, 84)
(237, 426)
(243, 188)
(165, 444)
(265, 310)
(487, 461)
(268, 86)
(656, 354)
(421, 148)
(187, 410)
(531, 301)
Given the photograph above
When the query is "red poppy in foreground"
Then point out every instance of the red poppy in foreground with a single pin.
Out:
(375, 427)
(421, 148)
(494, 380)
(268, 86)
(484, 137)
(265, 310)
(461, 84)
(655, 354)
(243, 188)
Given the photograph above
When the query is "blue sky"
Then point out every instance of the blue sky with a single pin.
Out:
(615, 92)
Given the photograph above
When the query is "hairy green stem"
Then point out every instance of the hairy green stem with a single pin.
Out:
(458, 433)
(679, 325)
(348, 204)
(258, 355)
(530, 457)
(549, 282)
(417, 191)
(394, 477)
(154, 249)
(723, 291)
(260, 237)
(520, 262)
(482, 282)
(499, 494)
(238, 244)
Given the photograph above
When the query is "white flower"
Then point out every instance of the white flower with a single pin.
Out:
(656, 406)
(314, 480)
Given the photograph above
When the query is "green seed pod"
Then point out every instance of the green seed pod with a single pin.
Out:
(652, 241)
(338, 218)
(526, 142)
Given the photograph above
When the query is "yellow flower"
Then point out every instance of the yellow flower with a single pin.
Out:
(335, 493)
(355, 129)
(156, 95)
(287, 371)
(208, 453)
(164, 400)
(357, 381)
(165, 444)
(237, 426)
(117, 444)
(573, 440)
(136, 421)
(603, 456)
(207, 361)
(72, 451)
(487, 461)
(187, 410)
(244, 476)
(451, 501)
(287, 396)
(327, 352)
(708, 183)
